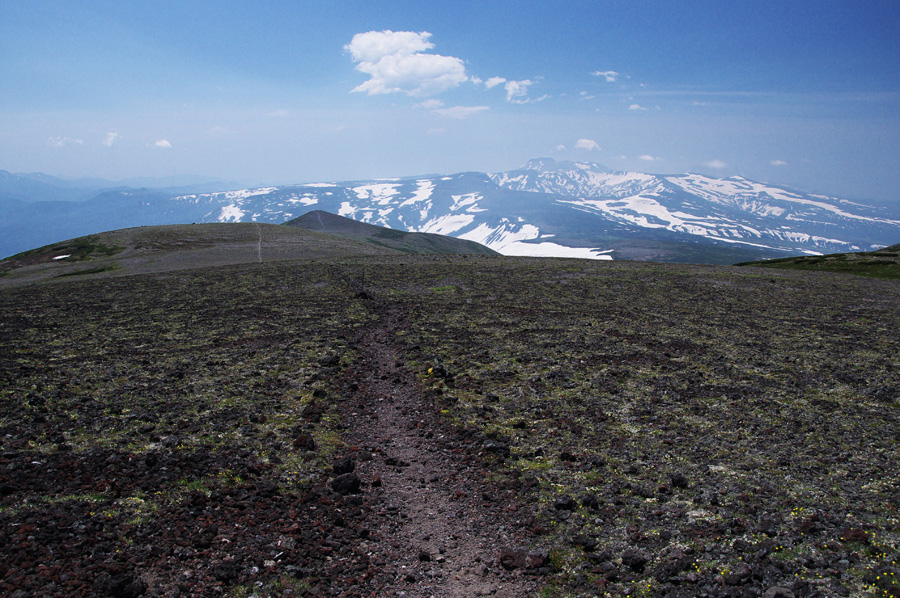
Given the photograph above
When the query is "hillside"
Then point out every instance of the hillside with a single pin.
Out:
(882, 263)
(544, 209)
(450, 426)
(325, 222)
(179, 247)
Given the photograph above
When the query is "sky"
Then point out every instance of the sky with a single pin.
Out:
(804, 93)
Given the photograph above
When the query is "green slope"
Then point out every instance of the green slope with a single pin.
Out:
(883, 263)
(177, 247)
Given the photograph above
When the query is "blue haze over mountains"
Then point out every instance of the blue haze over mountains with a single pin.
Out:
(546, 208)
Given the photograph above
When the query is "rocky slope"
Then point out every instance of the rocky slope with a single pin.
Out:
(450, 426)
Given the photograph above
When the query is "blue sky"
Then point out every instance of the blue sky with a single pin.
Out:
(803, 93)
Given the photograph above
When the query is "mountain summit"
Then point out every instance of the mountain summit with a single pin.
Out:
(545, 208)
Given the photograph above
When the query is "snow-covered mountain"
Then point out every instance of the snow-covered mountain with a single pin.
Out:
(546, 208)
(733, 210)
(571, 209)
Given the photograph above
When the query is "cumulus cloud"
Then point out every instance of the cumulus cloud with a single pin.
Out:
(516, 90)
(587, 144)
(461, 111)
(778, 163)
(64, 141)
(163, 143)
(396, 62)
(560, 148)
(494, 82)
(610, 76)
(636, 107)
(717, 164)
(110, 139)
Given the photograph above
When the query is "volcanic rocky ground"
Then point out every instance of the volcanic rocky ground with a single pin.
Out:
(467, 426)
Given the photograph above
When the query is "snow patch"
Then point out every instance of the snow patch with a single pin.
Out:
(446, 225)
(231, 213)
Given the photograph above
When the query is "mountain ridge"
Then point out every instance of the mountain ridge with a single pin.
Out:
(545, 208)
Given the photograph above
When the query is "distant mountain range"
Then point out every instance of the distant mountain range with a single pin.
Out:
(546, 208)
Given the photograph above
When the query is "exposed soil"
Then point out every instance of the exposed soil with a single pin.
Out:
(442, 524)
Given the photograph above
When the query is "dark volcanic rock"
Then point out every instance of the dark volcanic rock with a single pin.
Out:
(342, 466)
(565, 503)
(513, 558)
(635, 560)
(345, 484)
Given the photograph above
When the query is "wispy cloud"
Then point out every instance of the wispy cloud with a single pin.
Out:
(587, 144)
(778, 163)
(609, 76)
(494, 82)
(163, 143)
(461, 111)
(110, 139)
(64, 141)
(648, 158)
(430, 104)
(636, 107)
(717, 164)
(397, 62)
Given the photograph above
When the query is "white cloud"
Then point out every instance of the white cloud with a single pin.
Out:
(461, 111)
(587, 144)
(163, 143)
(64, 141)
(494, 82)
(610, 76)
(395, 62)
(519, 89)
(560, 148)
(430, 104)
(110, 139)
(647, 158)
(778, 163)
(717, 164)
(636, 107)
(585, 95)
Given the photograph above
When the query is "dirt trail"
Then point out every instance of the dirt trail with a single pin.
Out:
(441, 524)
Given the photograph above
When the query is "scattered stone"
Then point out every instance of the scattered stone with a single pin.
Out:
(587, 543)
(590, 501)
(635, 560)
(778, 592)
(342, 466)
(120, 586)
(305, 442)
(492, 446)
(329, 360)
(739, 576)
(424, 556)
(678, 480)
(565, 503)
(345, 484)
(513, 558)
